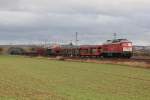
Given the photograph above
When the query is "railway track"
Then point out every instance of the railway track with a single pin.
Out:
(133, 59)
(141, 59)
(133, 62)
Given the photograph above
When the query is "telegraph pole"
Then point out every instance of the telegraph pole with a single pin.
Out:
(115, 36)
(76, 41)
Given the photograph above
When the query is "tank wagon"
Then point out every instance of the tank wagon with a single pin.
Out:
(112, 48)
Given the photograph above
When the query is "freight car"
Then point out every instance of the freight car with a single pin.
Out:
(63, 50)
(36, 51)
(90, 51)
(112, 48)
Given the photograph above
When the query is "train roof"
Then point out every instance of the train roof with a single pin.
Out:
(69, 46)
(90, 45)
(116, 41)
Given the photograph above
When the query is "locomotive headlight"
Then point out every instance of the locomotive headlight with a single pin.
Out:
(127, 48)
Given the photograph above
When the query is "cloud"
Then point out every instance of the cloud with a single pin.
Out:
(58, 20)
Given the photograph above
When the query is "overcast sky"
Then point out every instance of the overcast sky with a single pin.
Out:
(31, 21)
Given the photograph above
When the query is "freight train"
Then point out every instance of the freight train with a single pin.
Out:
(112, 48)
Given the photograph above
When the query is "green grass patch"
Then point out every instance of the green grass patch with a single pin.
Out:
(23, 78)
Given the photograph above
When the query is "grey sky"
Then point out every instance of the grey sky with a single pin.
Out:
(58, 20)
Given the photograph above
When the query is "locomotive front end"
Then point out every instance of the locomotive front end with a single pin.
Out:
(127, 49)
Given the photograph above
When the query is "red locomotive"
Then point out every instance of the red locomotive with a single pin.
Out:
(112, 48)
(117, 48)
